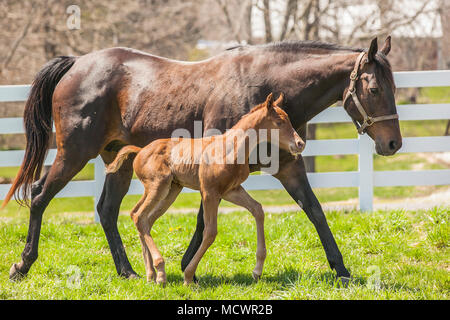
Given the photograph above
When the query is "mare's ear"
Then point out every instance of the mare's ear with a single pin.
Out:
(372, 50)
(387, 46)
(269, 101)
(279, 101)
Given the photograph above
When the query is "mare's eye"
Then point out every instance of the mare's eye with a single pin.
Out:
(373, 90)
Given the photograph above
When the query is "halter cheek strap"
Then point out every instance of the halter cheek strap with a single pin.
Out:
(367, 120)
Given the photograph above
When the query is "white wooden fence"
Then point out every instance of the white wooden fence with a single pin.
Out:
(365, 178)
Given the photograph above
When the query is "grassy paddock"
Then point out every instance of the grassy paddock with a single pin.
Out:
(391, 255)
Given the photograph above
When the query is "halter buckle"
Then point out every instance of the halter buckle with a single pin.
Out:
(354, 75)
(369, 121)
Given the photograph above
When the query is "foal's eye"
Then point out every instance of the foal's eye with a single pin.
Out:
(373, 90)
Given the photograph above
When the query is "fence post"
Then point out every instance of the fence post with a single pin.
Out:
(99, 176)
(365, 164)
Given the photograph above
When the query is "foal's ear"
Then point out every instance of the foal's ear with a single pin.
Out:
(387, 46)
(279, 101)
(372, 50)
(269, 101)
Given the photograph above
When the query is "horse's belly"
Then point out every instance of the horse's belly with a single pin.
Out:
(187, 176)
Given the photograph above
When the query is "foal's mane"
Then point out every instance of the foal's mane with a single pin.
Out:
(250, 112)
(257, 108)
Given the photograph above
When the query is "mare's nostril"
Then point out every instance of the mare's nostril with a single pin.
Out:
(393, 145)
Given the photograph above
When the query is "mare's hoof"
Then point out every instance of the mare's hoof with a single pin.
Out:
(130, 275)
(344, 281)
(15, 274)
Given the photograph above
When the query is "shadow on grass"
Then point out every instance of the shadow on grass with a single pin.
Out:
(289, 277)
(286, 277)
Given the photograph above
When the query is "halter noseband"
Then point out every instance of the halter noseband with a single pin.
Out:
(368, 121)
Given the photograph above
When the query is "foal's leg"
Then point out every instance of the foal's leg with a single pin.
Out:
(155, 193)
(153, 216)
(241, 198)
(210, 205)
(148, 262)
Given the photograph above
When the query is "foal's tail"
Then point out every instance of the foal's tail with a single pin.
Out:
(37, 120)
(121, 157)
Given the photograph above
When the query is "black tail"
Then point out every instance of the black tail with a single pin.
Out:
(37, 119)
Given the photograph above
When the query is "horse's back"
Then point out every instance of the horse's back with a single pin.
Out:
(135, 97)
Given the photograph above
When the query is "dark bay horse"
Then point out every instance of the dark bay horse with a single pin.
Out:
(110, 98)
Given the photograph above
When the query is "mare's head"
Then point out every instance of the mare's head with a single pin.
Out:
(275, 118)
(372, 84)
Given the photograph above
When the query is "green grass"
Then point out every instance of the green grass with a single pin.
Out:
(405, 254)
(434, 95)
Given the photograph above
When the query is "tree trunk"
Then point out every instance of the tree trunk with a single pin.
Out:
(267, 21)
(248, 22)
(444, 62)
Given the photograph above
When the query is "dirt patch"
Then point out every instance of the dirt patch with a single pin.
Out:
(442, 158)
(4, 180)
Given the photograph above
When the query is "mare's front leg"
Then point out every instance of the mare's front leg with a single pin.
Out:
(241, 198)
(292, 175)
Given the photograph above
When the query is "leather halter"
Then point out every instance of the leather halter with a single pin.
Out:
(368, 121)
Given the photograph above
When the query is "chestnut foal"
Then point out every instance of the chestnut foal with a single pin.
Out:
(215, 165)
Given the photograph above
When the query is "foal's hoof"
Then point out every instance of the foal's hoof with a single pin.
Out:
(15, 274)
(161, 281)
(189, 282)
(256, 276)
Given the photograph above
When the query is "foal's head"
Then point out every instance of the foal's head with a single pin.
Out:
(274, 118)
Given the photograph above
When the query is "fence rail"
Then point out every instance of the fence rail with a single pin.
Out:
(365, 178)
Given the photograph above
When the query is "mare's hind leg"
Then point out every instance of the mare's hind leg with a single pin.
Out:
(115, 188)
(63, 169)
(241, 198)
